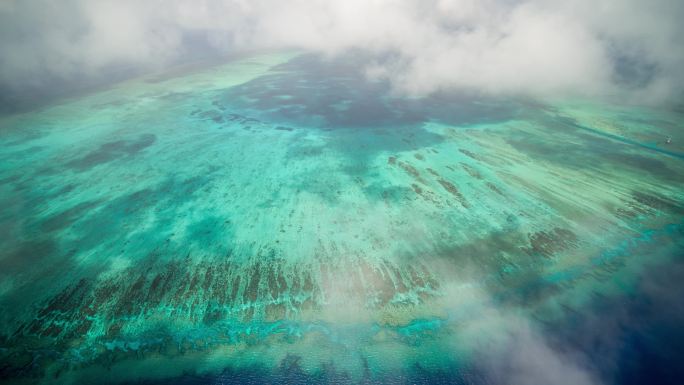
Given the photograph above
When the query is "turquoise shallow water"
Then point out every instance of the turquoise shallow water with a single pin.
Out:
(279, 218)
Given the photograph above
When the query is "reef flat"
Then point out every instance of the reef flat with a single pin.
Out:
(281, 218)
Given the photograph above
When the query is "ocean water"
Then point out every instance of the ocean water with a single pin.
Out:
(281, 219)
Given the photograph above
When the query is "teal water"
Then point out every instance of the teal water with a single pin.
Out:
(281, 219)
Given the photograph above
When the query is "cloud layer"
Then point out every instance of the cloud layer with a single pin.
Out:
(518, 47)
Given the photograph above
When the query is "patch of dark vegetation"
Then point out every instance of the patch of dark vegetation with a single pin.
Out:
(67, 217)
(214, 115)
(10, 179)
(113, 150)
(284, 128)
(548, 243)
(472, 171)
(642, 203)
(392, 160)
(470, 154)
(419, 156)
(433, 172)
(204, 293)
(250, 293)
(453, 190)
(644, 164)
(592, 150)
(220, 117)
(30, 251)
(411, 171)
(210, 230)
(493, 187)
(218, 105)
(657, 202)
(391, 195)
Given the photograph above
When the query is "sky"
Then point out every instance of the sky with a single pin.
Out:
(631, 48)
(536, 48)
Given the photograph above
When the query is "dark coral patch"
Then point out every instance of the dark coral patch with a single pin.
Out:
(472, 171)
(548, 243)
(643, 203)
(113, 150)
(470, 154)
(453, 190)
(433, 172)
(412, 171)
(67, 217)
(493, 187)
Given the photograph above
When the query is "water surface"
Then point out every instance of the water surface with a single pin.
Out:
(282, 219)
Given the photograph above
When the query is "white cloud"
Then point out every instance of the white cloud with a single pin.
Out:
(528, 47)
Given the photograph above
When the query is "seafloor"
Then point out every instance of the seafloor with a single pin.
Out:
(281, 219)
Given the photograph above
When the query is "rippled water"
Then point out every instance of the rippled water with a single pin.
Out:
(281, 219)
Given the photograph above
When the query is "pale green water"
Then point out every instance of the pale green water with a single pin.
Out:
(278, 207)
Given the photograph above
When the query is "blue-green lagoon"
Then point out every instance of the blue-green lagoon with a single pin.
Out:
(280, 218)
